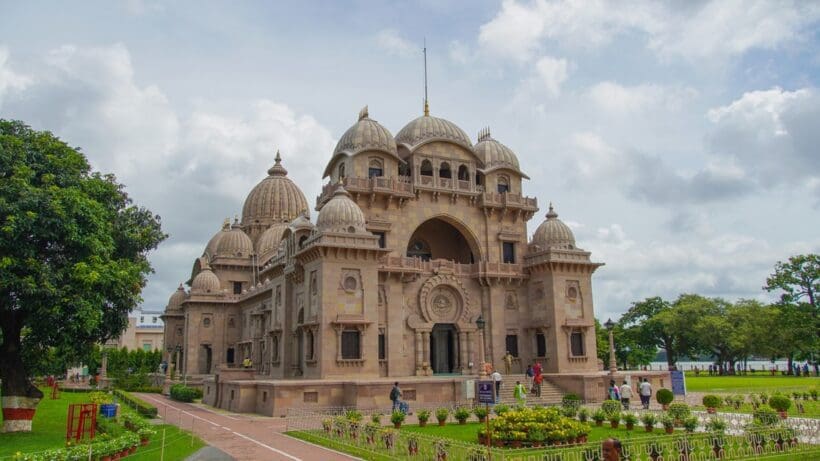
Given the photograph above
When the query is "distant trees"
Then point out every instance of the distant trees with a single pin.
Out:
(694, 325)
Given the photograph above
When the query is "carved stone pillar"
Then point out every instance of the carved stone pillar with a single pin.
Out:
(470, 352)
(462, 352)
(425, 355)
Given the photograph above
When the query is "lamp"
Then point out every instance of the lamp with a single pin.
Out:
(480, 323)
(613, 365)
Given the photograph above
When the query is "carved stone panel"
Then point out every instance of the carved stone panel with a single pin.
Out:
(443, 299)
(573, 302)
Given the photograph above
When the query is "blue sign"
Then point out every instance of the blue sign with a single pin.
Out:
(678, 382)
(486, 392)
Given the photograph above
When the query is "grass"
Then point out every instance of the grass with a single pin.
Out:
(754, 383)
(49, 425)
(469, 432)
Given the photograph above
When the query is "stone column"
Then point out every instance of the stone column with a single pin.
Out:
(462, 351)
(425, 355)
(419, 354)
(470, 354)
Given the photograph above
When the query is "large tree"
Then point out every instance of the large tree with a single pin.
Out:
(799, 281)
(73, 258)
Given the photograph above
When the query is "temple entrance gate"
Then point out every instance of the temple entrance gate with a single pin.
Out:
(444, 349)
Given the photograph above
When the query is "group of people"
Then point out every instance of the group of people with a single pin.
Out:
(624, 392)
(533, 376)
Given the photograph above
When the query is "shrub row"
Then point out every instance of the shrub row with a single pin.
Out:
(182, 393)
(141, 406)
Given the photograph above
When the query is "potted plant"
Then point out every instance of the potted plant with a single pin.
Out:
(668, 424)
(765, 416)
(353, 416)
(327, 425)
(441, 446)
(461, 414)
(649, 420)
(711, 402)
(781, 403)
(630, 419)
(690, 424)
(716, 425)
(397, 418)
(370, 431)
(614, 420)
(536, 437)
(583, 414)
(482, 437)
(679, 411)
(599, 416)
(412, 444)
(423, 416)
(441, 415)
(104, 402)
(500, 409)
(145, 433)
(388, 437)
(611, 407)
(480, 413)
(376, 418)
(664, 397)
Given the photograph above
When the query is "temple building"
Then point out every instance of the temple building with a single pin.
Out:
(416, 268)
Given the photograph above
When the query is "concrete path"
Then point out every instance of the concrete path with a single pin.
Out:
(209, 453)
(243, 437)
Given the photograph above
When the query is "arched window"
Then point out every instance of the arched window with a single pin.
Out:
(302, 240)
(419, 249)
(309, 348)
(479, 178)
(341, 171)
(463, 173)
(403, 170)
(444, 171)
(275, 351)
(503, 184)
(426, 168)
(375, 168)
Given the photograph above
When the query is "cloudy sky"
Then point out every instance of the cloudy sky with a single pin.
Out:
(679, 140)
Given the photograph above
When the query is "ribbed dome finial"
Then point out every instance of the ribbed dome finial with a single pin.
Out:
(277, 169)
(551, 214)
(226, 224)
(484, 134)
(363, 113)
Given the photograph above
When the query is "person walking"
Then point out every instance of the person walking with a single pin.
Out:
(536, 369)
(626, 394)
(614, 393)
(646, 393)
(395, 396)
(529, 375)
(520, 393)
(508, 360)
(496, 376)
(536, 384)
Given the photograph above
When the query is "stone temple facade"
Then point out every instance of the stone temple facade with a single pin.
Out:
(420, 238)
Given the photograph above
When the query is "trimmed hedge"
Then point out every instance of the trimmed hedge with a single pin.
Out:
(141, 406)
(182, 393)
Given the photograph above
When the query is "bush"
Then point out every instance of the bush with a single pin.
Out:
(100, 398)
(649, 419)
(182, 393)
(765, 416)
(679, 411)
(442, 414)
(630, 418)
(571, 400)
(667, 422)
(690, 424)
(716, 425)
(500, 409)
(711, 401)
(780, 402)
(664, 396)
(480, 412)
(142, 407)
(423, 415)
(397, 417)
(583, 414)
(598, 416)
(353, 416)
(611, 407)
(461, 414)
(569, 411)
(376, 418)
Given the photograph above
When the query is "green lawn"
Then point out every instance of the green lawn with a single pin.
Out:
(48, 431)
(756, 383)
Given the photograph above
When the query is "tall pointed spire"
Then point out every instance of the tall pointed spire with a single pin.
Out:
(426, 101)
(277, 169)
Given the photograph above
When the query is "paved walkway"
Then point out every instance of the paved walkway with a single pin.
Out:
(244, 437)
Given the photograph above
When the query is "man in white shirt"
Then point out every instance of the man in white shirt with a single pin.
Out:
(626, 394)
(646, 393)
(496, 376)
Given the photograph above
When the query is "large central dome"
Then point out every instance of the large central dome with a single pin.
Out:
(428, 128)
(275, 199)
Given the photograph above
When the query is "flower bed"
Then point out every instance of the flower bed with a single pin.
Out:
(534, 427)
(142, 407)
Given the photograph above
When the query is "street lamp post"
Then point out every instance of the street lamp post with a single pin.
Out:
(613, 365)
(627, 350)
(480, 324)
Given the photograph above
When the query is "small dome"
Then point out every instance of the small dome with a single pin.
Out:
(205, 282)
(495, 155)
(302, 222)
(210, 248)
(366, 134)
(177, 298)
(341, 214)
(553, 233)
(270, 239)
(235, 243)
(428, 128)
(275, 199)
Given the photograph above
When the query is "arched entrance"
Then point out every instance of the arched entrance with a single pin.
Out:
(444, 348)
(443, 238)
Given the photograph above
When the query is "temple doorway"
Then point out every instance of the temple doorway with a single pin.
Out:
(444, 348)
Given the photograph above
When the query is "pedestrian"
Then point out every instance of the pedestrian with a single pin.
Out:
(395, 396)
(536, 369)
(626, 394)
(508, 360)
(806, 369)
(536, 384)
(646, 393)
(614, 393)
(611, 450)
(529, 374)
(496, 376)
(520, 393)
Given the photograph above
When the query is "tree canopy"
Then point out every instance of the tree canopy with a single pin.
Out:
(73, 252)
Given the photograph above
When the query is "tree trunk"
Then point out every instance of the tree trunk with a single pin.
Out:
(19, 396)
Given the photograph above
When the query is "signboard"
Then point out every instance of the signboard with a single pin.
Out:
(469, 389)
(486, 392)
(678, 382)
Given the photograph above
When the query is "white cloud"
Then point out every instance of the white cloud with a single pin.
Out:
(717, 28)
(552, 73)
(391, 41)
(618, 99)
(10, 80)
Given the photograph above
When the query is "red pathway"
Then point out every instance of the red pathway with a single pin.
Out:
(245, 437)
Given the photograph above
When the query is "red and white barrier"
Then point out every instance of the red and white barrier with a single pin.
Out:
(18, 413)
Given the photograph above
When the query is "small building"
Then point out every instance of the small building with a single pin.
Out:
(145, 331)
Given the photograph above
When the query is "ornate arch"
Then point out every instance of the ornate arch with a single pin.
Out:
(472, 240)
(444, 299)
